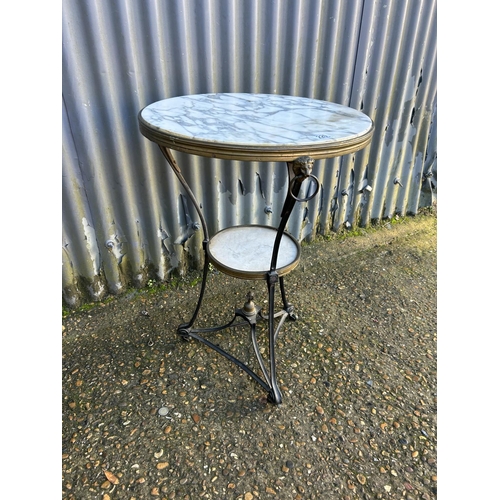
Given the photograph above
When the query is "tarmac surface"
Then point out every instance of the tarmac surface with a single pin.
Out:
(148, 415)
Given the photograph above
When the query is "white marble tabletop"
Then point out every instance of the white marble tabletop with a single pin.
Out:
(255, 126)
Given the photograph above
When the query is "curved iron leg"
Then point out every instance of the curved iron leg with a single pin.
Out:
(184, 329)
(286, 305)
(262, 365)
(274, 395)
(298, 170)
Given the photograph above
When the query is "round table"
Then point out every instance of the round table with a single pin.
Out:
(254, 127)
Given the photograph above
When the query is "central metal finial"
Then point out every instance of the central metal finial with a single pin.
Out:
(249, 306)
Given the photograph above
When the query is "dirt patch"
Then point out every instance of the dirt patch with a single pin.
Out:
(357, 372)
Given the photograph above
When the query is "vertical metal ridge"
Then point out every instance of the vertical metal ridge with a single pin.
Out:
(425, 100)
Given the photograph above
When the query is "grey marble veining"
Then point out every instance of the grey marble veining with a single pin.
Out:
(250, 248)
(256, 119)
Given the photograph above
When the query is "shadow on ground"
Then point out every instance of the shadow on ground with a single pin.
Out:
(357, 372)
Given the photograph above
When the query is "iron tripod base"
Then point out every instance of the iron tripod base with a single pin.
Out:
(299, 170)
(250, 314)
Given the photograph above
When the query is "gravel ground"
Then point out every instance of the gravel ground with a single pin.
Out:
(148, 415)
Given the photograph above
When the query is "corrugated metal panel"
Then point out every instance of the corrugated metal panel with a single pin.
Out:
(126, 219)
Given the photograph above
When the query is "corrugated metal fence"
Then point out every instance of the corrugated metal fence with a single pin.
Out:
(126, 219)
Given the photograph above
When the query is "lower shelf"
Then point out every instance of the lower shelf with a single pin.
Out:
(245, 251)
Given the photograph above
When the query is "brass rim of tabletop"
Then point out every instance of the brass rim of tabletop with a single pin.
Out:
(245, 152)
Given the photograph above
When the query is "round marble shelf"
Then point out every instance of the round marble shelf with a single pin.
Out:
(255, 127)
(245, 251)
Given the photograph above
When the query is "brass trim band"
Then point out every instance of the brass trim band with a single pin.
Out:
(256, 153)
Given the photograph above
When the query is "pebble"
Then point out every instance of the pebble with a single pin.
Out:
(111, 477)
(163, 411)
(361, 478)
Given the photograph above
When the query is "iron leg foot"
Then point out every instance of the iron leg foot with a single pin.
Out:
(291, 313)
(286, 305)
(275, 397)
(184, 331)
